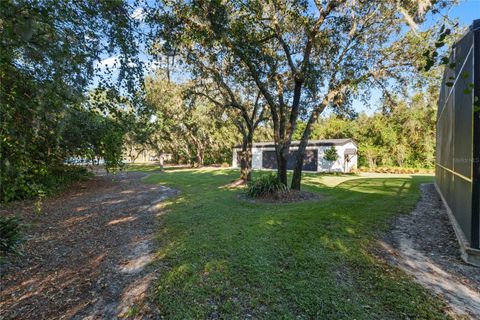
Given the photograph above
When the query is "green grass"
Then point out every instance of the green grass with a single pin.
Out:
(220, 256)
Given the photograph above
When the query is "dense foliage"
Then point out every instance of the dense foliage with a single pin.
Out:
(189, 127)
(401, 135)
(94, 137)
(10, 235)
(49, 56)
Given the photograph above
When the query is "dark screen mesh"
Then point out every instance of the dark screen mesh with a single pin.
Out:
(455, 131)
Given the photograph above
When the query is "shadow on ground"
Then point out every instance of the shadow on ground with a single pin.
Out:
(423, 243)
(88, 252)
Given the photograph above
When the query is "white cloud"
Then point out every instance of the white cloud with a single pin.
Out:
(108, 62)
(138, 13)
(150, 66)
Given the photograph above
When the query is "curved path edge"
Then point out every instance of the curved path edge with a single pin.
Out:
(88, 253)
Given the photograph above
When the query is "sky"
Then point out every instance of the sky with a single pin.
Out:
(464, 12)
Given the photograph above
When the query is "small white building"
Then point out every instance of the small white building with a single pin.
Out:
(264, 157)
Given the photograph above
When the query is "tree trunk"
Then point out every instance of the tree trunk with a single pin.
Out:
(130, 154)
(297, 172)
(246, 158)
(137, 155)
(176, 157)
(160, 158)
(282, 162)
(200, 156)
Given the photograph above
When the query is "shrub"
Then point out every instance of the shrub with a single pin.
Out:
(10, 235)
(44, 181)
(331, 154)
(264, 186)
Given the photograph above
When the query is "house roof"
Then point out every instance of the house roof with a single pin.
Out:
(324, 142)
(350, 151)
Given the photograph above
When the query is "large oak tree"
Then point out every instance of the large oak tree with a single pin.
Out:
(303, 56)
(217, 80)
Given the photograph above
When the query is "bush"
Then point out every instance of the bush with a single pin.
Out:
(39, 181)
(10, 235)
(331, 154)
(264, 186)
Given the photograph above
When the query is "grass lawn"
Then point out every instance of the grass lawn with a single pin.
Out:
(222, 257)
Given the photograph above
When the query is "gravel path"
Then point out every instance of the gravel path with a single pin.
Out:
(423, 244)
(88, 252)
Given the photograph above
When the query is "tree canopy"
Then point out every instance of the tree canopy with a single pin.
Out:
(50, 53)
(251, 70)
(303, 57)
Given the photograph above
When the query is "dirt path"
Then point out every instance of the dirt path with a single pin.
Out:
(423, 244)
(88, 252)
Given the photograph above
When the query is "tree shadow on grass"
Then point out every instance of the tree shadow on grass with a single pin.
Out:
(220, 257)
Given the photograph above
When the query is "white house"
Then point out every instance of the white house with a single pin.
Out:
(263, 155)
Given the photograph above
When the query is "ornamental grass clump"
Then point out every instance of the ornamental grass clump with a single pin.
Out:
(265, 186)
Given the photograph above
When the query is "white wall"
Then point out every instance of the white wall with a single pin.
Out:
(339, 165)
(330, 166)
(256, 157)
(323, 165)
(235, 163)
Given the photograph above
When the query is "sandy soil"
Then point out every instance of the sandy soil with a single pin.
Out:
(423, 244)
(88, 252)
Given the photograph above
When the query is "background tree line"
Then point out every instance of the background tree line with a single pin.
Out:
(400, 134)
(188, 127)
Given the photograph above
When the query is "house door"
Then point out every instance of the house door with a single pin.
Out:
(310, 160)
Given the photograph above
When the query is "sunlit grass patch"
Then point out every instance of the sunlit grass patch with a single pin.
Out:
(219, 255)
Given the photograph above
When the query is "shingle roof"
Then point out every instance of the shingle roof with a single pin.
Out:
(350, 151)
(323, 142)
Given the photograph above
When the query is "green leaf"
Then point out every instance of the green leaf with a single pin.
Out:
(444, 60)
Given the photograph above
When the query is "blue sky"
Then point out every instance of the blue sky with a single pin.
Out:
(466, 11)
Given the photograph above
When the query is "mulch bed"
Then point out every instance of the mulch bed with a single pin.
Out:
(87, 254)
